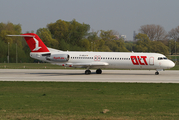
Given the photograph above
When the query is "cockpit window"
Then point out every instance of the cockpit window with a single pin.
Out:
(162, 58)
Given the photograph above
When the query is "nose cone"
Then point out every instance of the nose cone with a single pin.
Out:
(171, 64)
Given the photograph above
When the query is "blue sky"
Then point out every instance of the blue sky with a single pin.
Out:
(124, 16)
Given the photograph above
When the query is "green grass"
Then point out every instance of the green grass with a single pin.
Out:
(172, 57)
(175, 68)
(86, 101)
(30, 66)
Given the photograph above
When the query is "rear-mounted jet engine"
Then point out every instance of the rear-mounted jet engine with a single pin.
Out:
(58, 57)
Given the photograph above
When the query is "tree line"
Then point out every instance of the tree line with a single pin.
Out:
(75, 36)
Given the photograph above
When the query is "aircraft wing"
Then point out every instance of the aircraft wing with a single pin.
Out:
(85, 65)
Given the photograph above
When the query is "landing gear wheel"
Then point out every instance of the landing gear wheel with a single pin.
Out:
(87, 72)
(157, 73)
(98, 71)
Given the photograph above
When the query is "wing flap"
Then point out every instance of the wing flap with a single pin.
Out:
(87, 64)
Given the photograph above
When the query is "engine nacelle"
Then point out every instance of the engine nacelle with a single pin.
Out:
(58, 57)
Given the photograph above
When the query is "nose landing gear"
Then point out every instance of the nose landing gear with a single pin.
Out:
(156, 73)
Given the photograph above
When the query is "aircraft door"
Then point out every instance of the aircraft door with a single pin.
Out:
(68, 57)
(151, 60)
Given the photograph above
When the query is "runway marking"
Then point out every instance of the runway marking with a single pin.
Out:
(60, 75)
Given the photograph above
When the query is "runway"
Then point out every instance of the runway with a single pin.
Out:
(64, 75)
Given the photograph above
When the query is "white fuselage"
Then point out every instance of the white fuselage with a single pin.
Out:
(128, 60)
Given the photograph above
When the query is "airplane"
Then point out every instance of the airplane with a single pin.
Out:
(97, 60)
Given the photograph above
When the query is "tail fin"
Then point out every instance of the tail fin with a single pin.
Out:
(34, 42)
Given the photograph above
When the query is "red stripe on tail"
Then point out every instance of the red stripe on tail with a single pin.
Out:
(35, 43)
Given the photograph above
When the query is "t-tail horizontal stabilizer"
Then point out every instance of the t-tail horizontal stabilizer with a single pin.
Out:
(34, 42)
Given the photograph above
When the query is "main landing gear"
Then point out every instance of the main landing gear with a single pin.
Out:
(87, 72)
(98, 71)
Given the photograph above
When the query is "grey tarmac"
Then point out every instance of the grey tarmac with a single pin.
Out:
(76, 75)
